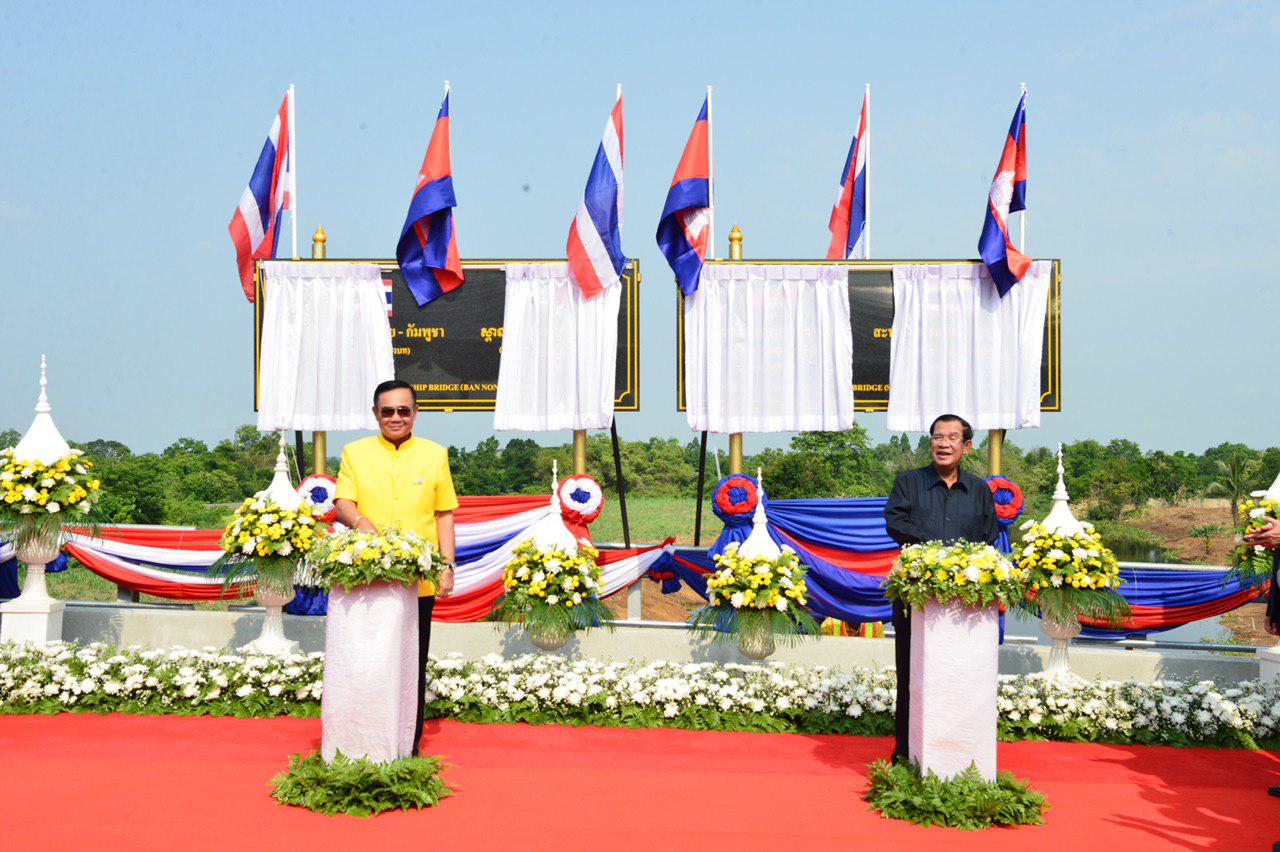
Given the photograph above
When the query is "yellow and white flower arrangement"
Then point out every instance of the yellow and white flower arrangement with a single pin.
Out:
(36, 498)
(1071, 575)
(756, 598)
(353, 558)
(551, 591)
(267, 541)
(1253, 514)
(972, 573)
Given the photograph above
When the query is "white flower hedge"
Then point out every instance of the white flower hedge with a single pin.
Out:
(552, 689)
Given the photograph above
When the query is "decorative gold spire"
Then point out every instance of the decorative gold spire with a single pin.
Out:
(735, 243)
(318, 239)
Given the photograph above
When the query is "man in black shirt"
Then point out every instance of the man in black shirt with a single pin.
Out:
(938, 502)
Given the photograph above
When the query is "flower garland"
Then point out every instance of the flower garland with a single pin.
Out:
(754, 598)
(99, 678)
(353, 558)
(1253, 514)
(552, 591)
(971, 573)
(1071, 575)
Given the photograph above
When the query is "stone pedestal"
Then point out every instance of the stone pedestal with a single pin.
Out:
(1269, 664)
(1060, 653)
(954, 653)
(33, 616)
(370, 672)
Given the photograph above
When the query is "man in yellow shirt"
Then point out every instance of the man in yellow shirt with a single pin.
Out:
(396, 479)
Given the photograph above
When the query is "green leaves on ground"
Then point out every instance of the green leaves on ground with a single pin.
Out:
(359, 787)
(964, 801)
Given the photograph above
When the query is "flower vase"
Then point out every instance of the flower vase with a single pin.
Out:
(1061, 632)
(33, 616)
(546, 639)
(756, 645)
(954, 655)
(273, 590)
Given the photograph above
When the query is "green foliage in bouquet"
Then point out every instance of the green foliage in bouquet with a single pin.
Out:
(965, 801)
(1071, 576)
(266, 540)
(354, 558)
(36, 499)
(1249, 562)
(358, 786)
(971, 573)
(551, 591)
(753, 598)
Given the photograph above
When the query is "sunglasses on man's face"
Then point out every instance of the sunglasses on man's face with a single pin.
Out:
(387, 413)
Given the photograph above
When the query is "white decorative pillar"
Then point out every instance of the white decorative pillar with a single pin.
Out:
(952, 720)
(274, 595)
(33, 616)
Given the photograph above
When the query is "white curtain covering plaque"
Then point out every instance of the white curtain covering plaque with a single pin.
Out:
(954, 653)
(370, 672)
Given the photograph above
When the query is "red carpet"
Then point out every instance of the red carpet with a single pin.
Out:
(146, 782)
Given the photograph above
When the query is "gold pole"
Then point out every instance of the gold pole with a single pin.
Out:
(319, 450)
(579, 451)
(995, 449)
(735, 439)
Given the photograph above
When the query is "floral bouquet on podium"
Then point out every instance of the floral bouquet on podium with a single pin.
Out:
(756, 598)
(973, 574)
(552, 592)
(354, 558)
(1071, 575)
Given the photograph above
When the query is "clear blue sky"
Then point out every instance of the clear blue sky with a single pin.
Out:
(130, 130)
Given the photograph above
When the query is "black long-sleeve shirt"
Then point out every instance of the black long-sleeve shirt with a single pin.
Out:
(922, 508)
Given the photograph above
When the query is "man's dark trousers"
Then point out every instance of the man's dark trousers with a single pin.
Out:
(425, 605)
(902, 661)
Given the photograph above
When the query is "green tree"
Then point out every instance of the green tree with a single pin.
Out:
(1235, 479)
(1207, 533)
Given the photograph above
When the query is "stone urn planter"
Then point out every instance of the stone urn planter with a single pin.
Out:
(757, 645)
(1061, 632)
(548, 640)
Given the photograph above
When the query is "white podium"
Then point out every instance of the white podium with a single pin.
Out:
(954, 655)
(370, 697)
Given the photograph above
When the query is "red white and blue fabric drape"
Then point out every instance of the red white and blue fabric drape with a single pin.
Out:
(1165, 598)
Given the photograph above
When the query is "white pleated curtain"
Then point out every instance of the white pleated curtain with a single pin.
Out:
(768, 348)
(326, 344)
(958, 348)
(559, 352)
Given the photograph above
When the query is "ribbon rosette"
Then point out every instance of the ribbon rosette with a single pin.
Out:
(581, 499)
(735, 499)
(1007, 497)
(318, 488)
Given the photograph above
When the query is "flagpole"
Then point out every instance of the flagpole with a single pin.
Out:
(866, 243)
(711, 184)
(1022, 220)
(293, 171)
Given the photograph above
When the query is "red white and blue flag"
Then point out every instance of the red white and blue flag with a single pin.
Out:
(1008, 195)
(594, 246)
(255, 226)
(685, 226)
(428, 247)
(848, 224)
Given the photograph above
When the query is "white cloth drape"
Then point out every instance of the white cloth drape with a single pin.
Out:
(559, 352)
(326, 344)
(369, 697)
(769, 349)
(958, 348)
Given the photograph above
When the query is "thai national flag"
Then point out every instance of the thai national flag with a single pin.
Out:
(685, 225)
(428, 247)
(1008, 195)
(595, 239)
(255, 226)
(848, 224)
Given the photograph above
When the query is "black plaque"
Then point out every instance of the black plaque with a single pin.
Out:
(871, 318)
(449, 350)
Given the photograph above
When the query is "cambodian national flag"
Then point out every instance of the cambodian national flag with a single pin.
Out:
(594, 246)
(1008, 195)
(255, 224)
(848, 224)
(428, 247)
(685, 225)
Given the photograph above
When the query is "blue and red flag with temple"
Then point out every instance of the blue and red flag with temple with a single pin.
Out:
(428, 247)
(685, 226)
(1008, 195)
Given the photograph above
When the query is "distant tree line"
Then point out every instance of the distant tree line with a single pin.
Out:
(186, 482)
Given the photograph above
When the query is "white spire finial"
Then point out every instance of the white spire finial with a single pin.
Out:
(281, 490)
(1060, 518)
(42, 402)
(43, 442)
(555, 475)
(760, 544)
